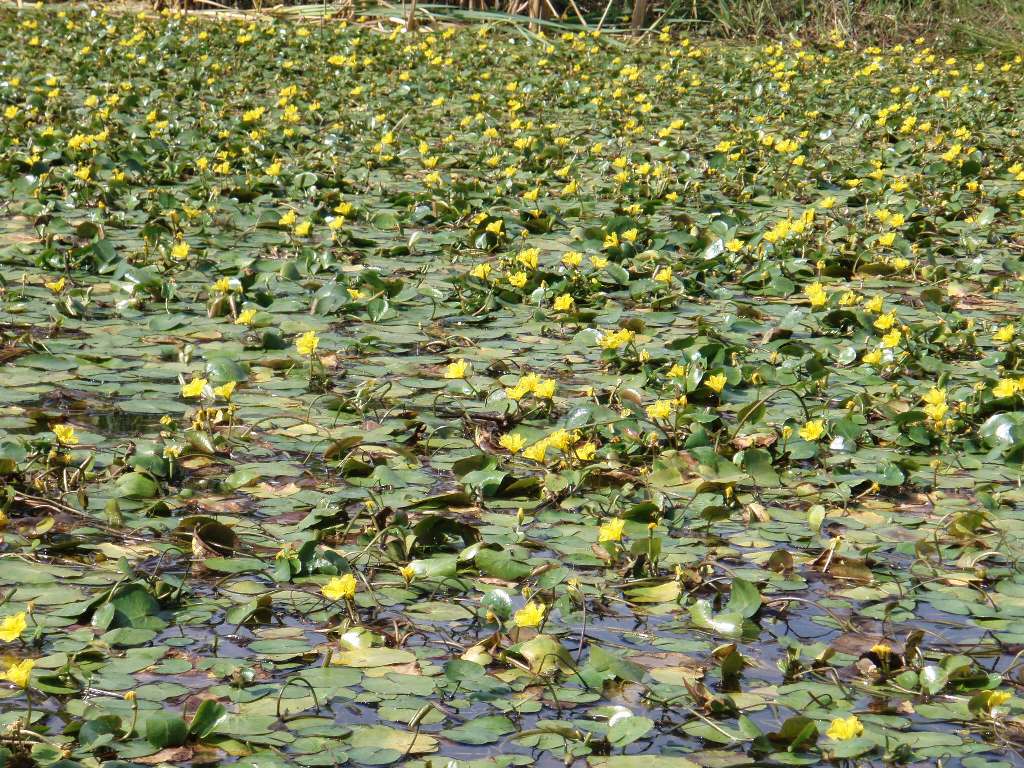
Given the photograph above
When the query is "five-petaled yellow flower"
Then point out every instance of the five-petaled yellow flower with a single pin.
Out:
(340, 588)
(513, 442)
(716, 382)
(530, 615)
(612, 530)
(845, 728)
(65, 434)
(812, 430)
(457, 370)
(12, 626)
(307, 343)
(194, 388)
(1005, 334)
(20, 672)
(659, 409)
(564, 303)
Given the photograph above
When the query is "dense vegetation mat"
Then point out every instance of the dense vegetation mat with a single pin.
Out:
(512, 399)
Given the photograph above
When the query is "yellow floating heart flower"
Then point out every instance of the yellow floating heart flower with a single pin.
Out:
(340, 588)
(19, 673)
(225, 390)
(457, 370)
(246, 317)
(513, 442)
(65, 434)
(812, 430)
(816, 294)
(659, 409)
(56, 286)
(1005, 334)
(1006, 388)
(194, 388)
(12, 626)
(845, 728)
(564, 303)
(611, 531)
(307, 343)
(530, 615)
(545, 389)
(716, 382)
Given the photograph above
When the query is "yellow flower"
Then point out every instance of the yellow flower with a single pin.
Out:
(246, 317)
(517, 279)
(663, 275)
(611, 240)
(408, 573)
(560, 439)
(1004, 334)
(616, 339)
(274, 169)
(65, 434)
(716, 382)
(994, 699)
(20, 672)
(1006, 388)
(11, 627)
(572, 258)
(874, 304)
(611, 531)
(845, 728)
(456, 370)
(288, 219)
(849, 298)
(599, 262)
(537, 451)
(529, 258)
(302, 228)
(225, 390)
(180, 250)
(812, 430)
(307, 343)
(586, 451)
(530, 615)
(340, 588)
(935, 396)
(874, 357)
(481, 271)
(512, 442)
(659, 409)
(827, 202)
(886, 321)
(222, 286)
(891, 339)
(815, 292)
(734, 246)
(545, 389)
(194, 388)
(564, 303)
(676, 371)
(57, 285)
